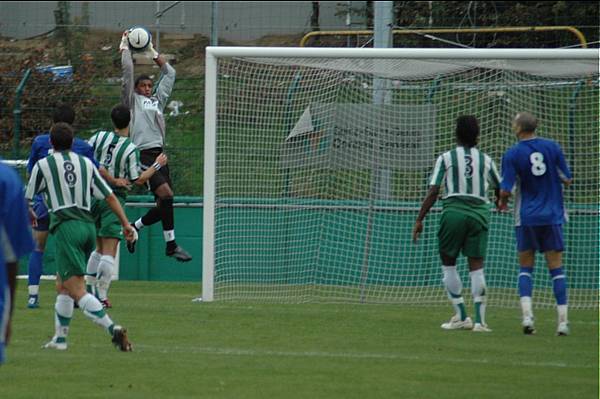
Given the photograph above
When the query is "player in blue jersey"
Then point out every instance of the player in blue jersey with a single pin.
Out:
(538, 168)
(40, 148)
(15, 242)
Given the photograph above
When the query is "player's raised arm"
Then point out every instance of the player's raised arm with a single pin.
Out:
(166, 80)
(127, 72)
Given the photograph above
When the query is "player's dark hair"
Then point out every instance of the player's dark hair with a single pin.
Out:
(140, 78)
(61, 136)
(120, 116)
(63, 113)
(467, 130)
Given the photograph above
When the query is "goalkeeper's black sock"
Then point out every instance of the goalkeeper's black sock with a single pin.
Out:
(168, 223)
(171, 245)
(151, 217)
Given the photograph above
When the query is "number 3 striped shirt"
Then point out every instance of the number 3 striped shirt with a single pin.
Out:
(466, 172)
(68, 181)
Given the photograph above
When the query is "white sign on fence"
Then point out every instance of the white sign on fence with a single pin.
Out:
(362, 136)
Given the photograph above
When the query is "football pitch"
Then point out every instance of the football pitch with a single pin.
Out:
(250, 350)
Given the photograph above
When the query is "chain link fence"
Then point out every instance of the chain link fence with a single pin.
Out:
(53, 52)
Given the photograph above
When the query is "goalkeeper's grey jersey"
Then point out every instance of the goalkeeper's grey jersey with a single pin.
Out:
(147, 127)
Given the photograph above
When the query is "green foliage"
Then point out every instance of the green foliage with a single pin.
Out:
(42, 93)
(477, 14)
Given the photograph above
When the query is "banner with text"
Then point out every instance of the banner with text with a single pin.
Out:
(362, 136)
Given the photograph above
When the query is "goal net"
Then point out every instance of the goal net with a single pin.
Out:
(317, 161)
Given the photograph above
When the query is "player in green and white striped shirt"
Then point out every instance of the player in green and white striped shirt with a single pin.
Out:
(466, 174)
(68, 183)
(121, 158)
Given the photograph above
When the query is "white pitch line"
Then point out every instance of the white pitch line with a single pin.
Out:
(347, 355)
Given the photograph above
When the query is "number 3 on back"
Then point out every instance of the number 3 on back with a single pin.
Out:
(538, 167)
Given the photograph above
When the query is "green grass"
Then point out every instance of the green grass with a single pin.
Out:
(249, 350)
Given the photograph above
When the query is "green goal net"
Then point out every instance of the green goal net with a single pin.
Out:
(318, 160)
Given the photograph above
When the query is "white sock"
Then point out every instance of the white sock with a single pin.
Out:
(562, 313)
(169, 235)
(452, 280)
(526, 307)
(33, 289)
(63, 313)
(93, 261)
(91, 270)
(92, 308)
(479, 298)
(454, 287)
(138, 224)
(104, 276)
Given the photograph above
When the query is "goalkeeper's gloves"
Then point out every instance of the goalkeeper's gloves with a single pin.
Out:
(124, 45)
(150, 52)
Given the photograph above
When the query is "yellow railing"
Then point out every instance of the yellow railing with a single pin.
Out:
(525, 29)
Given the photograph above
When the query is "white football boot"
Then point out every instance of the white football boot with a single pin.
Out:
(563, 329)
(456, 323)
(479, 327)
(61, 346)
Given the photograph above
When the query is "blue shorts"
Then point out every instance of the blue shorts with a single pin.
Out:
(540, 238)
(43, 218)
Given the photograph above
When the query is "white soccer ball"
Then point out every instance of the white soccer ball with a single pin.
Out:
(139, 38)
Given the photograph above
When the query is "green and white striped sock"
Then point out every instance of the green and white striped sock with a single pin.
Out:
(63, 313)
(93, 309)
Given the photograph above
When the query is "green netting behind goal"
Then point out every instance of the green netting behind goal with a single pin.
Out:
(322, 164)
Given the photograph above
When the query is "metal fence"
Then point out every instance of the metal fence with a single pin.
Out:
(64, 51)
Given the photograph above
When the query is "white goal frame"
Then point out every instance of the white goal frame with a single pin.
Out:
(210, 121)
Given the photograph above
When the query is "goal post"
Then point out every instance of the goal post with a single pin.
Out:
(311, 185)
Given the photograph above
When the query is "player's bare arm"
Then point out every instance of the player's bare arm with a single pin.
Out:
(500, 204)
(428, 202)
(503, 200)
(160, 161)
(114, 204)
(114, 182)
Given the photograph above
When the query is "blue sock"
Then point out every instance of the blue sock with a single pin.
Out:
(559, 285)
(35, 267)
(526, 281)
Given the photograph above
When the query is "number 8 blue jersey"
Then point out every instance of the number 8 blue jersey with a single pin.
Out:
(537, 166)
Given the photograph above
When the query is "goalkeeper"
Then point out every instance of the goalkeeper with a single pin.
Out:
(467, 173)
(147, 131)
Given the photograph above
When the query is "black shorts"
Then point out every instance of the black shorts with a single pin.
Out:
(147, 158)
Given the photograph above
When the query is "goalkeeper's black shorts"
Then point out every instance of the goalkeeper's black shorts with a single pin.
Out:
(147, 158)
